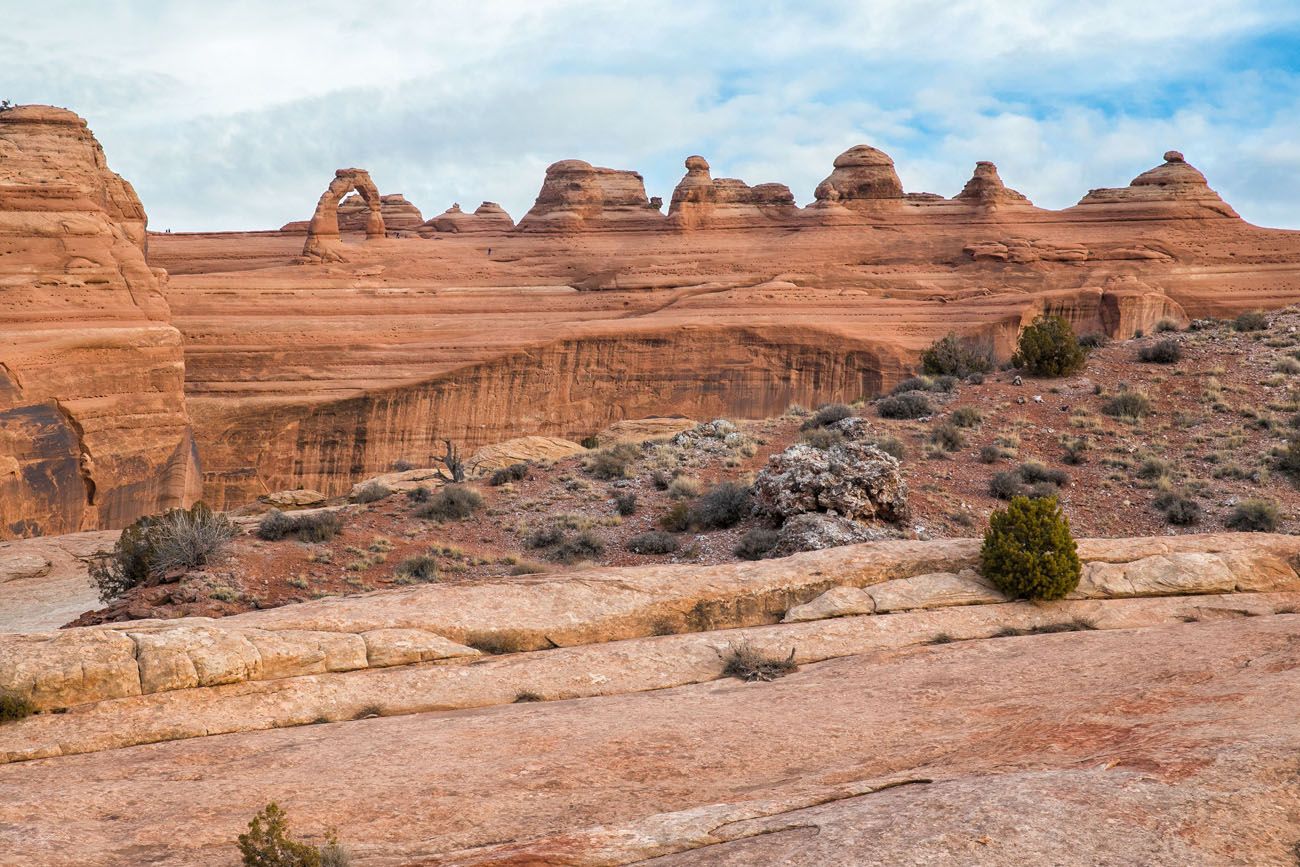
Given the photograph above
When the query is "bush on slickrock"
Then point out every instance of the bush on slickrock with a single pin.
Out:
(1029, 552)
(451, 503)
(755, 543)
(1048, 347)
(909, 405)
(267, 843)
(749, 664)
(513, 473)
(653, 542)
(725, 505)
(14, 707)
(1166, 351)
(371, 492)
(156, 546)
(951, 357)
(1254, 516)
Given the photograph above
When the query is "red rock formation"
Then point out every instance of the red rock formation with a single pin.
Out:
(398, 213)
(701, 201)
(323, 244)
(862, 174)
(488, 217)
(577, 196)
(1169, 191)
(93, 426)
(985, 188)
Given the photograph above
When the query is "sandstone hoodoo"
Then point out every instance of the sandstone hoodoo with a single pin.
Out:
(1172, 190)
(700, 201)
(862, 174)
(578, 196)
(323, 243)
(93, 426)
(487, 217)
(985, 188)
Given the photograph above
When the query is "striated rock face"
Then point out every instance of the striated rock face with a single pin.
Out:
(985, 188)
(702, 202)
(1173, 189)
(323, 244)
(578, 196)
(862, 173)
(93, 426)
(487, 217)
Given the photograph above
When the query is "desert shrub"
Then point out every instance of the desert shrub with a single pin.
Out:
(591, 442)
(419, 495)
(660, 480)
(966, 416)
(1131, 405)
(947, 436)
(892, 446)
(990, 454)
(451, 503)
(625, 503)
(1178, 508)
(156, 545)
(1165, 325)
(677, 519)
(1289, 366)
(653, 542)
(1032, 472)
(913, 383)
(1075, 450)
(581, 546)
(946, 384)
(267, 843)
(1254, 516)
(613, 462)
(1093, 341)
(756, 543)
(1048, 347)
(1165, 351)
(725, 505)
(513, 473)
(1252, 320)
(545, 537)
(1152, 469)
(274, 526)
(371, 492)
(949, 356)
(909, 405)
(14, 707)
(1006, 485)
(749, 664)
(316, 526)
(822, 437)
(1289, 460)
(684, 488)
(828, 414)
(421, 567)
(975, 379)
(1028, 551)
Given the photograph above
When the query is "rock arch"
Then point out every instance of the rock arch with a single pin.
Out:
(323, 232)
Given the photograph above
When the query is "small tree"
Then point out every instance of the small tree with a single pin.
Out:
(267, 842)
(1028, 550)
(1049, 347)
(950, 356)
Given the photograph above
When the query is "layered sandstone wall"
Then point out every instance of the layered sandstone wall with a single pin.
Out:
(93, 426)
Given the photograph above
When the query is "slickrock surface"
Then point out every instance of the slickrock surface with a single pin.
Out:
(1084, 747)
(93, 426)
(44, 582)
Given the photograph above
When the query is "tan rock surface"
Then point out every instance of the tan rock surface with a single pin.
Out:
(1168, 759)
(639, 430)
(93, 426)
(47, 598)
(520, 450)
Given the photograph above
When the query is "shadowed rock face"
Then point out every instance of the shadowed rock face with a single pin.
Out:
(577, 195)
(93, 426)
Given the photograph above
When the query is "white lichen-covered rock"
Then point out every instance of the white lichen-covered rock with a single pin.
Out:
(853, 479)
(814, 531)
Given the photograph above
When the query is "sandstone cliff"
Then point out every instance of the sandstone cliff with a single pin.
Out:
(577, 196)
(93, 426)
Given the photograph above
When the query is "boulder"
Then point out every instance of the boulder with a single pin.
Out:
(861, 174)
(814, 531)
(298, 499)
(520, 450)
(854, 479)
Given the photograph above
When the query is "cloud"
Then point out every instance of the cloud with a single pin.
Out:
(235, 114)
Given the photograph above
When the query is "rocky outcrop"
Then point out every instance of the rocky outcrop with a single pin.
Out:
(985, 189)
(93, 425)
(397, 212)
(323, 243)
(487, 217)
(577, 196)
(702, 202)
(862, 174)
(520, 450)
(816, 531)
(853, 479)
(1172, 190)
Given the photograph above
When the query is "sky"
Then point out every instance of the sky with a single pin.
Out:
(234, 115)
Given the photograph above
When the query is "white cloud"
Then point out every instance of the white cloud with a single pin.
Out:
(234, 114)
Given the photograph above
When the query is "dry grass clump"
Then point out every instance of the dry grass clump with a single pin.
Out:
(749, 664)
